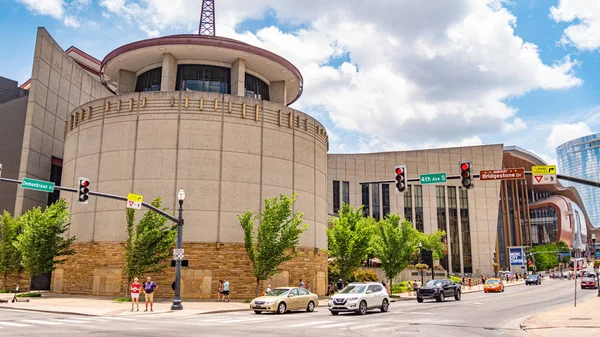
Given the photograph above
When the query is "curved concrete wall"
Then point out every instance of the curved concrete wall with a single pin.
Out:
(229, 153)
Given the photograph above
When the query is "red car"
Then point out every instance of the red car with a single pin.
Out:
(589, 282)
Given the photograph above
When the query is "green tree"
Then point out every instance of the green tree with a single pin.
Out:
(434, 243)
(348, 240)
(43, 239)
(10, 259)
(394, 244)
(149, 243)
(279, 232)
(546, 255)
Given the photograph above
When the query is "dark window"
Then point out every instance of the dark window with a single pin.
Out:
(440, 194)
(466, 230)
(365, 198)
(385, 200)
(346, 192)
(419, 208)
(375, 199)
(191, 77)
(256, 88)
(55, 177)
(149, 81)
(453, 222)
(336, 196)
(408, 214)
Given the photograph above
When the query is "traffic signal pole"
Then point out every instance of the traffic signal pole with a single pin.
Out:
(103, 195)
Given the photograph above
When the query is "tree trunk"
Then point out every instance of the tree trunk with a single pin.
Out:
(257, 285)
(391, 291)
(4, 282)
(30, 283)
(127, 288)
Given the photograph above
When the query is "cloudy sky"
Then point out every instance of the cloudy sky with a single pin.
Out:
(380, 74)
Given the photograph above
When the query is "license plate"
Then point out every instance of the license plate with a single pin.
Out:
(259, 307)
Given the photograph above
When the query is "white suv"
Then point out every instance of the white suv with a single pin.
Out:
(360, 297)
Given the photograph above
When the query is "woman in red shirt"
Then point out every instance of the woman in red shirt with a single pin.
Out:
(135, 293)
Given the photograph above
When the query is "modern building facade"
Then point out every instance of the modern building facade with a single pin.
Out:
(480, 223)
(581, 158)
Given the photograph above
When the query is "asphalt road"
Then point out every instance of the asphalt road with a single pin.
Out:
(477, 314)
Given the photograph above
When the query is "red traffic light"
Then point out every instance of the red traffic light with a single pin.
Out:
(85, 183)
(399, 170)
(464, 166)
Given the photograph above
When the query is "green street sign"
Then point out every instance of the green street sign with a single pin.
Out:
(432, 178)
(37, 185)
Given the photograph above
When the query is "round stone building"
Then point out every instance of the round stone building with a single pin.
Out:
(209, 115)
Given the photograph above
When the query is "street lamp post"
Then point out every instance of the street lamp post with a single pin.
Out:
(421, 259)
(593, 247)
(177, 297)
(494, 263)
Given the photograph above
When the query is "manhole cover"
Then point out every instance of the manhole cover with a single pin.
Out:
(580, 319)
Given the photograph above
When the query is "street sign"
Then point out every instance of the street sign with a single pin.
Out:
(432, 178)
(546, 179)
(134, 201)
(505, 174)
(543, 170)
(37, 185)
(178, 254)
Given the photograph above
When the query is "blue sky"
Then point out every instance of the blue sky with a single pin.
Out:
(386, 79)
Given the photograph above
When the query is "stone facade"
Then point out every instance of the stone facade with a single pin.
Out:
(97, 269)
(14, 279)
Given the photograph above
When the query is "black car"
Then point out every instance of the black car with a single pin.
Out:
(533, 279)
(438, 290)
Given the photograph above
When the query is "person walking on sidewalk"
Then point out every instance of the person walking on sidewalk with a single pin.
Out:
(226, 290)
(301, 284)
(220, 291)
(149, 288)
(135, 293)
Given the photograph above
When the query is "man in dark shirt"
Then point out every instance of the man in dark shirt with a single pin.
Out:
(149, 288)
(340, 284)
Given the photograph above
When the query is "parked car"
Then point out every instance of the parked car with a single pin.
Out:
(282, 300)
(533, 279)
(439, 290)
(359, 298)
(493, 285)
(589, 282)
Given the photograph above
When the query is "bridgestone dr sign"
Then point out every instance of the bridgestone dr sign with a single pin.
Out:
(506, 174)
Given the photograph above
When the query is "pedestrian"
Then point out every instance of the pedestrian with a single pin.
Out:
(331, 289)
(416, 286)
(340, 284)
(301, 283)
(226, 290)
(409, 287)
(308, 285)
(220, 291)
(470, 283)
(149, 288)
(135, 293)
(268, 289)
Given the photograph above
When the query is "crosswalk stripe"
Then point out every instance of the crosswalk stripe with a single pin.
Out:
(335, 325)
(68, 320)
(15, 324)
(119, 318)
(309, 323)
(364, 326)
(88, 319)
(40, 322)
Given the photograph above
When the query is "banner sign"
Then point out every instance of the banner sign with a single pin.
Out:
(516, 256)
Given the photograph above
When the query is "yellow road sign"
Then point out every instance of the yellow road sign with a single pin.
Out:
(546, 169)
(134, 197)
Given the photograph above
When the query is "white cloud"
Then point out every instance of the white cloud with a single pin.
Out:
(71, 21)
(53, 8)
(584, 16)
(550, 160)
(562, 133)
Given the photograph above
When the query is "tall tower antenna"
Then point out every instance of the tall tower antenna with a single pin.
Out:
(207, 18)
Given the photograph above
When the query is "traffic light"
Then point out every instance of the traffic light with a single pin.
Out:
(465, 174)
(400, 171)
(83, 190)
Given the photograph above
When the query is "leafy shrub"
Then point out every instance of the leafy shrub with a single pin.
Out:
(455, 279)
(29, 295)
(410, 266)
(364, 275)
(421, 266)
(5, 292)
(438, 266)
(123, 299)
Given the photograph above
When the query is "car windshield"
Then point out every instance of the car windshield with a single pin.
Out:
(531, 277)
(278, 292)
(354, 289)
(491, 282)
(433, 283)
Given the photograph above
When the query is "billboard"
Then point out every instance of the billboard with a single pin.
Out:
(516, 256)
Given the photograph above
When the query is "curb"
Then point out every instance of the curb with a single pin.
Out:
(50, 311)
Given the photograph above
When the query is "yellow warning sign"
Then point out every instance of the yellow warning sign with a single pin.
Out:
(545, 169)
(134, 197)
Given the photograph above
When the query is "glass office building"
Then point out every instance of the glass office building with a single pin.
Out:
(581, 158)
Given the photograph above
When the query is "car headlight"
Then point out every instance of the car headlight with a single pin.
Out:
(269, 302)
(353, 299)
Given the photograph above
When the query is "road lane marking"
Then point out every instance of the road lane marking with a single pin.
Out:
(40, 322)
(334, 325)
(364, 326)
(68, 320)
(384, 329)
(119, 318)
(309, 323)
(15, 324)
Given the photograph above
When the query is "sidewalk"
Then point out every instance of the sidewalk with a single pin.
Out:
(580, 321)
(464, 289)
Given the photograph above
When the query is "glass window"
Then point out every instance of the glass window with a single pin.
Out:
(354, 289)
(375, 199)
(440, 194)
(466, 230)
(303, 292)
(55, 177)
(372, 288)
(149, 81)
(419, 208)
(346, 192)
(256, 88)
(192, 77)
(408, 214)
(365, 199)
(294, 292)
(385, 200)
(336, 196)
(453, 222)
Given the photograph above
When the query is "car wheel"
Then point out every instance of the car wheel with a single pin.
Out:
(258, 312)
(485, 291)
(457, 295)
(281, 308)
(441, 298)
(502, 289)
(385, 305)
(362, 308)
(419, 299)
(334, 313)
(311, 306)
